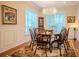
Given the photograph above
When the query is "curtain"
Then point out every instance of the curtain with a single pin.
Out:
(31, 20)
(56, 21)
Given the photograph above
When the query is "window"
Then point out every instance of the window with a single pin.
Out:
(56, 21)
(31, 20)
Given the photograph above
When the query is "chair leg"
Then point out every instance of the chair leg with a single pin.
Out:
(35, 50)
(50, 47)
(67, 43)
(45, 51)
(60, 50)
(32, 46)
(65, 48)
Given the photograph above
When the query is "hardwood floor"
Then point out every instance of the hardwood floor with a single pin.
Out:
(12, 50)
(21, 49)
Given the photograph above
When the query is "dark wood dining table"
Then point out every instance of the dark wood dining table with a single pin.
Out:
(46, 33)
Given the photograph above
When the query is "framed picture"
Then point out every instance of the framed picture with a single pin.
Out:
(71, 19)
(9, 15)
(41, 22)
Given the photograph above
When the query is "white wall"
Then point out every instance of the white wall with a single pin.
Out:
(13, 35)
(77, 35)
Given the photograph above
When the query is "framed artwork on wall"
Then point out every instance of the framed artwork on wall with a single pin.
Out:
(41, 22)
(71, 19)
(9, 15)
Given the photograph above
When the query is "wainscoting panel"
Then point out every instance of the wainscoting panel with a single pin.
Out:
(8, 38)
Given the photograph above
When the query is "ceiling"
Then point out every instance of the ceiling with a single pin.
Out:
(44, 4)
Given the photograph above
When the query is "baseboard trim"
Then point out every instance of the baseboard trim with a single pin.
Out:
(2, 54)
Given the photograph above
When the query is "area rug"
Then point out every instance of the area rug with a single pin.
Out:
(28, 52)
(40, 53)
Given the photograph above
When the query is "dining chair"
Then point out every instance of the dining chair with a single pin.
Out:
(60, 40)
(66, 39)
(33, 39)
(66, 42)
(41, 43)
(55, 38)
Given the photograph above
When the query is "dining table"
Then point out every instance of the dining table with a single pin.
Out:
(45, 34)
